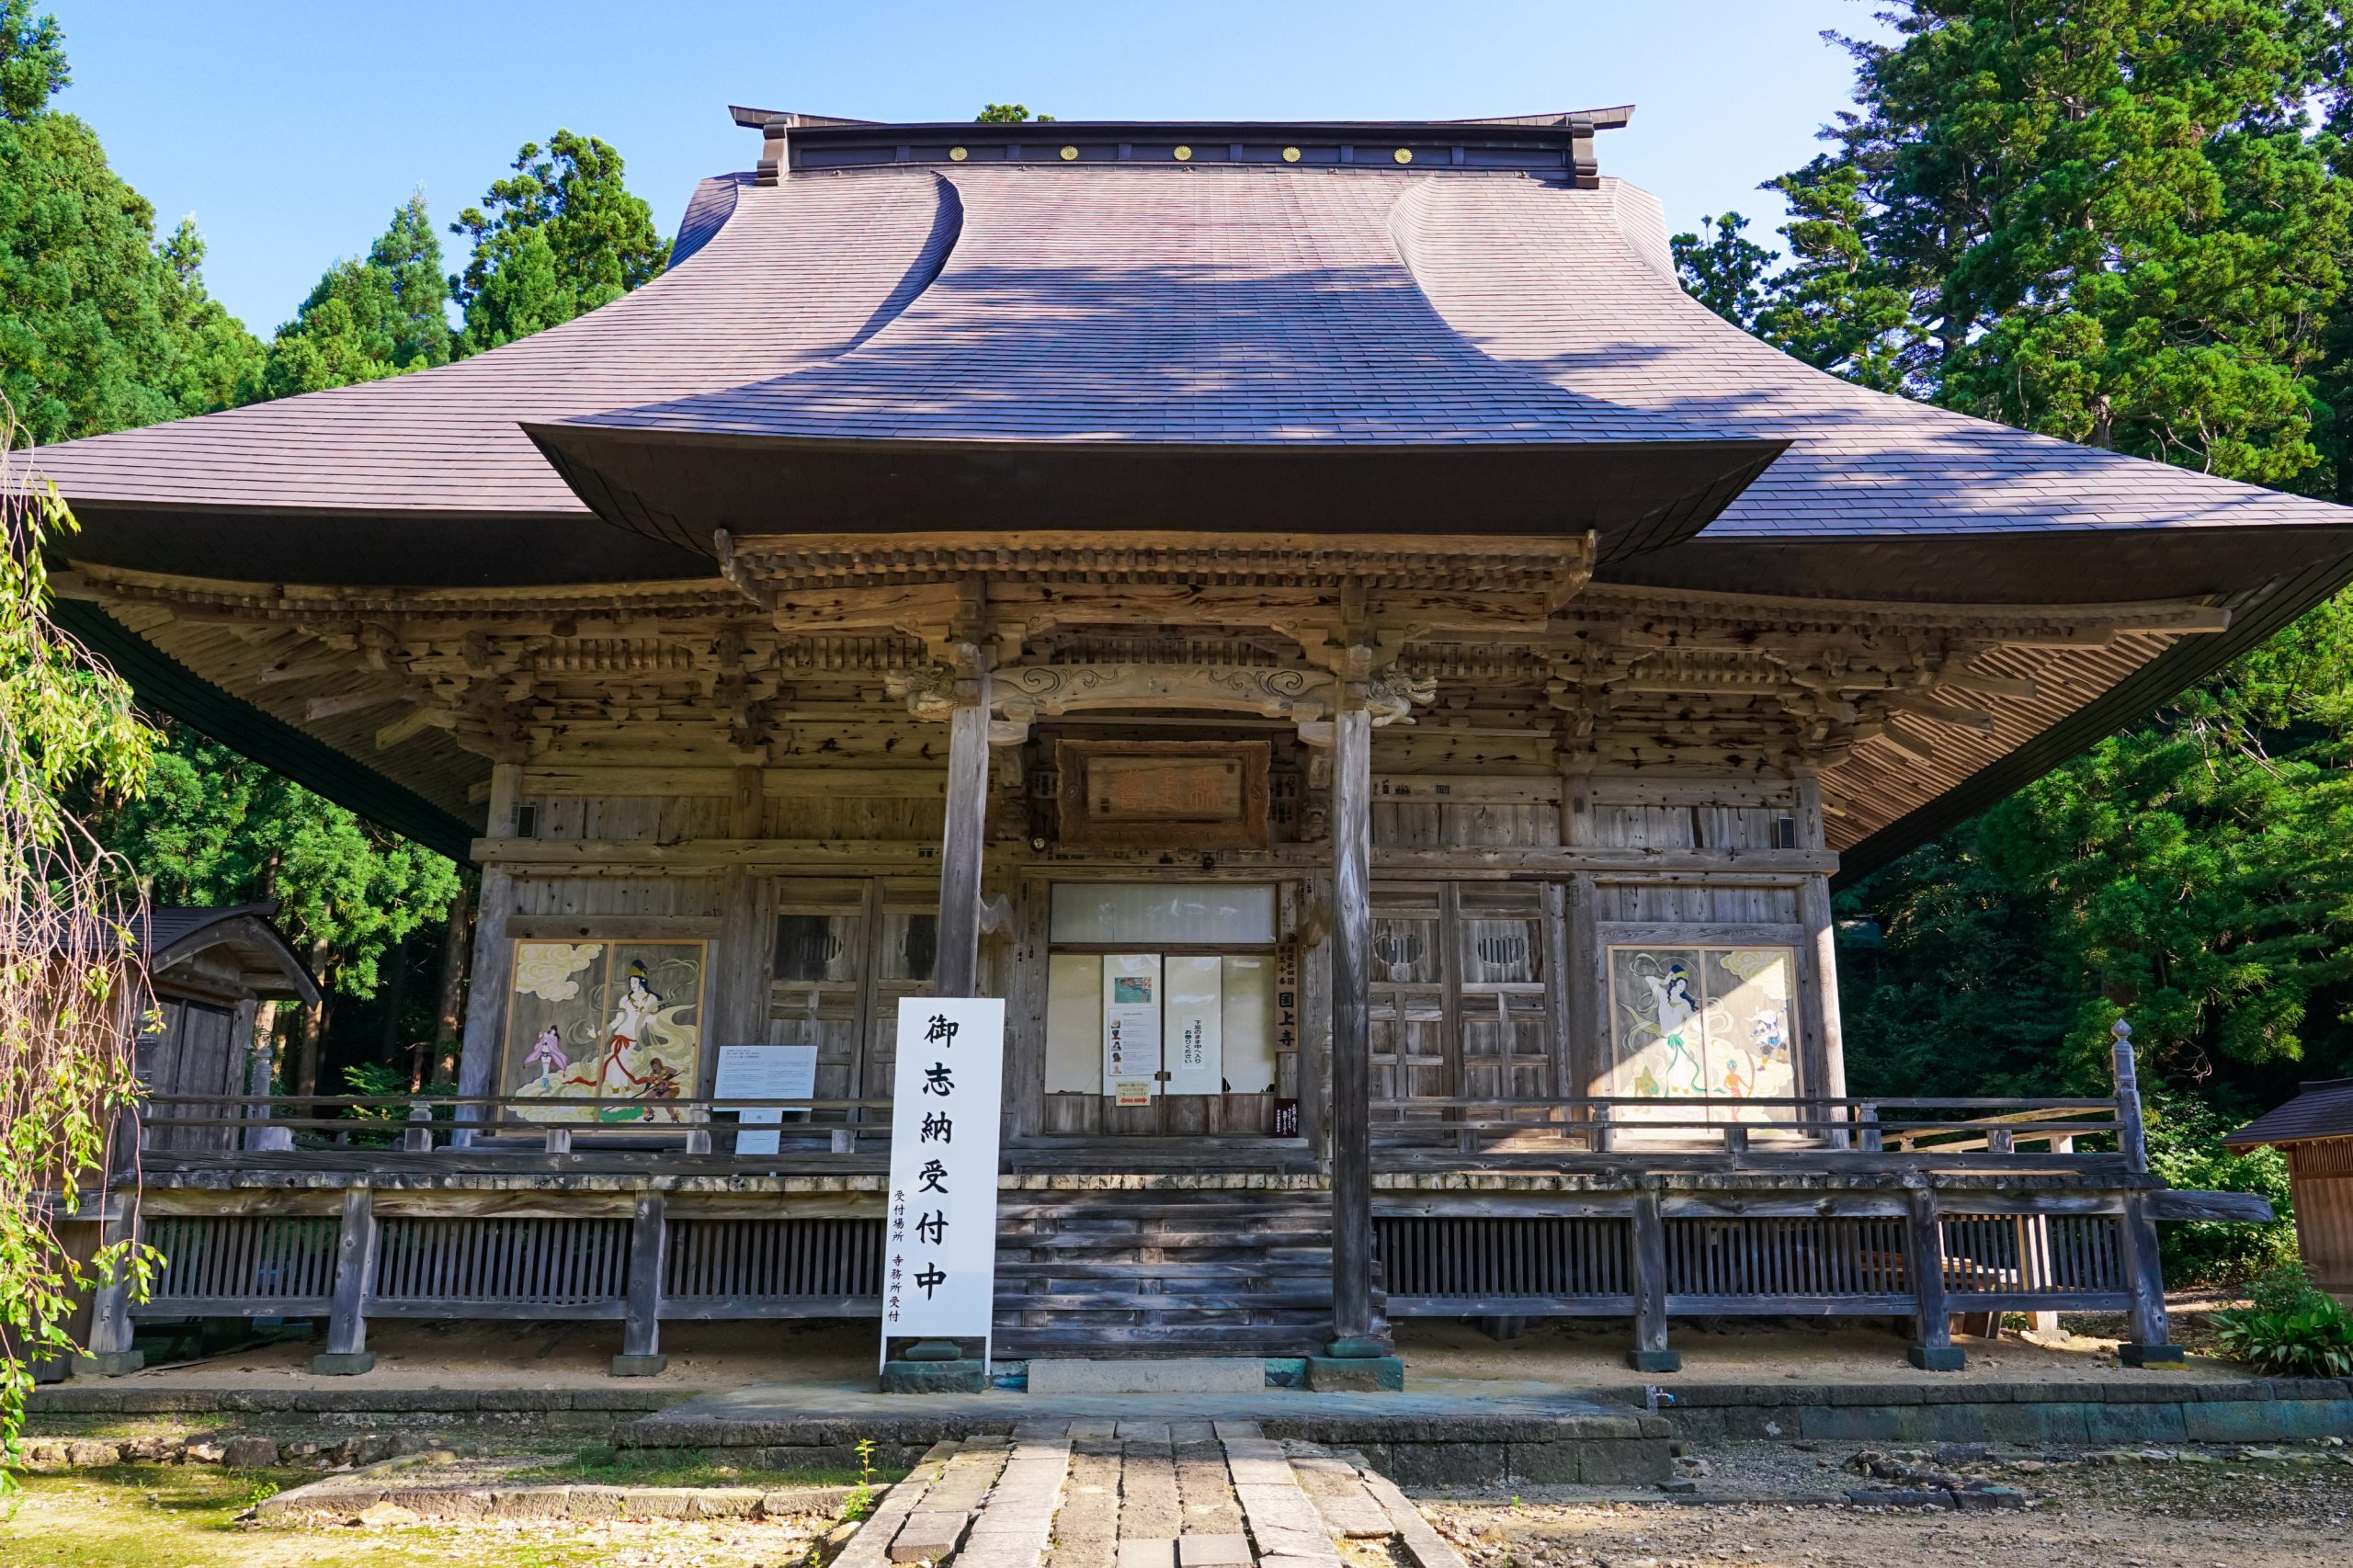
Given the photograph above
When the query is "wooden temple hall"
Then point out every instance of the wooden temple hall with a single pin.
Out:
(1379, 681)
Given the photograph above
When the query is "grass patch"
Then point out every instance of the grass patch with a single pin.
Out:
(186, 1516)
(678, 1467)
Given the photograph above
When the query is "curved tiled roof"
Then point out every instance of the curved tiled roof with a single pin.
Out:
(1135, 303)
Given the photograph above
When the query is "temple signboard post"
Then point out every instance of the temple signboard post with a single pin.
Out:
(939, 1268)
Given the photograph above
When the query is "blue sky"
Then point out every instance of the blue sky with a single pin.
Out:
(291, 129)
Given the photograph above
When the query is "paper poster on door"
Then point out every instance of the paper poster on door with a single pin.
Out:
(1131, 1052)
(1193, 1024)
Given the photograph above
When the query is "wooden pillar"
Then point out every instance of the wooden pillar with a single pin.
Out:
(493, 958)
(2151, 1345)
(1824, 1041)
(354, 1268)
(2152, 1342)
(742, 955)
(1932, 1349)
(107, 1351)
(649, 1231)
(958, 968)
(1352, 1024)
(1650, 1353)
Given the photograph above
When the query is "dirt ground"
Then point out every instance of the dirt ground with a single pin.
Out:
(1572, 1353)
(2209, 1508)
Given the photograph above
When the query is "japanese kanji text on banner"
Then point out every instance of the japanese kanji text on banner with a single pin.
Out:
(939, 1275)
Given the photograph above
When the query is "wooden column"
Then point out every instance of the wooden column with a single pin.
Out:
(649, 1231)
(742, 957)
(958, 968)
(2152, 1342)
(1818, 1021)
(493, 958)
(1933, 1348)
(355, 1266)
(1650, 1353)
(1352, 1022)
(107, 1351)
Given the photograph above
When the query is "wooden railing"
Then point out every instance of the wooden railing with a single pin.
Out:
(420, 1123)
(1763, 1127)
(1888, 1129)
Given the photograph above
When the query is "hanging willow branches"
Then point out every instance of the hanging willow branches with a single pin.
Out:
(73, 992)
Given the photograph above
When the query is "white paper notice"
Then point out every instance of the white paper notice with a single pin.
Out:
(1193, 1024)
(1131, 1028)
(939, 1280)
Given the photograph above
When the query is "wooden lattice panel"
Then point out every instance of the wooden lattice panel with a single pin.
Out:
(547, 1262)
(773, 1260)
(1458, 1259)
(1768, 1261)
(2040, 1253)
(237, 1264)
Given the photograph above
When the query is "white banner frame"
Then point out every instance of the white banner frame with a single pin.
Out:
(946, 1104)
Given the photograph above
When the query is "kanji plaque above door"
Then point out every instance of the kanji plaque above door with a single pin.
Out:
(1175, 794)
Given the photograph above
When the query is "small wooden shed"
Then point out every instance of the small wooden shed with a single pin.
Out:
(2315, 1131)
(212, 968)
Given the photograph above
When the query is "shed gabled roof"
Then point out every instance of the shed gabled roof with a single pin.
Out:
(2323, 1109)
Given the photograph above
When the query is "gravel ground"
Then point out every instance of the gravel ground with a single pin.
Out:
(2195, 1507)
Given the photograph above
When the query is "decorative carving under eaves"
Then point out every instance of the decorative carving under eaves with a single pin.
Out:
(1392, 695)
(1027, 691)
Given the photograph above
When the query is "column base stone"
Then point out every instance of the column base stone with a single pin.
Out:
(108, 1363)
(343, 1363)
(1355, 1374)
(2155, 1357)
(1936, 1358)
(638, 1366)
(1655, 1360)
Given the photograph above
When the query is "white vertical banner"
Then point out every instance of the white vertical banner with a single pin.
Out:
(947, 1101)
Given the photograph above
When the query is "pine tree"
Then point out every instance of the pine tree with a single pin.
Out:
(560, 237)
(367, 319)
(1726, 270)
(100, 327)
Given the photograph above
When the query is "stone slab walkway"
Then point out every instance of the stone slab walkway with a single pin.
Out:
(1109, 1493)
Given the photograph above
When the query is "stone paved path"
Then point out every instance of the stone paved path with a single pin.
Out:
(1111, 1493)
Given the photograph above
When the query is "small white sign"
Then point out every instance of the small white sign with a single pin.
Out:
(946, 1098)
(763, 1072)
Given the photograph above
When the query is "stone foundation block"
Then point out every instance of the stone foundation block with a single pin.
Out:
(343, 1363)
(639, 1365)
(1355, 1374)
(934, 1377)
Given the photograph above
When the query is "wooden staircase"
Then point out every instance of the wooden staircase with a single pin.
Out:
(1131, 1274)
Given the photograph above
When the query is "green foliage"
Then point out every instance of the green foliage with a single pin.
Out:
(101, 328)
(560, 237)
(1726, 270)
(2289, 1328)
(368, 318)
(1010, 114)
(2185, 1136)
(214, 827)
(70, 988)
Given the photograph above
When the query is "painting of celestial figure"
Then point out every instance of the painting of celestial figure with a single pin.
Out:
(1702, 1022)
(616, 1022)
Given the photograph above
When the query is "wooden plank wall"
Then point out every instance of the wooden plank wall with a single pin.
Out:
(1436, 788)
